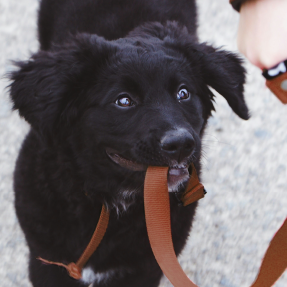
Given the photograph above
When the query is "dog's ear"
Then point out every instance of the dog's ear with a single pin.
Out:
(48, 88)
(223, 71)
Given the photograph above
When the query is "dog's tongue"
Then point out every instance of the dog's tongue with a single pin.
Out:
(177, 176)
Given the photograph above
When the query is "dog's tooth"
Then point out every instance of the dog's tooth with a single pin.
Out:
(174, 171)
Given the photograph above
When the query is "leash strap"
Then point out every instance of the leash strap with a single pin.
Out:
(194, 190)
(275, 259)
(75, 269)
(157, 213)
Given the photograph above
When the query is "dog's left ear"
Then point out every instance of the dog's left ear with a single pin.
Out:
(223, 71)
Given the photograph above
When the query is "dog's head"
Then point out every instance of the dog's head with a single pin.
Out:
(120, 106)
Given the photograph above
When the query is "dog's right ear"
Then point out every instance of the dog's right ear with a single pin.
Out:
(46, 89)
(221, 70)
(37, 89)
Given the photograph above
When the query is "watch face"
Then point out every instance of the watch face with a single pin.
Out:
(275, 71)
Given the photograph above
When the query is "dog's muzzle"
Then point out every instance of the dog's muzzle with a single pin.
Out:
(177, 174)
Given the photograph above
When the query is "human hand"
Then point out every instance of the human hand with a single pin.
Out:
(262, 32)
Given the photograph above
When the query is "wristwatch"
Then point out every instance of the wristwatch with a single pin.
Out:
(276, 80)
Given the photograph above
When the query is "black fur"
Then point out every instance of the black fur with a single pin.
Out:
(92, 53)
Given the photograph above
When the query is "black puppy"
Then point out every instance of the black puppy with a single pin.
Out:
(117, 86)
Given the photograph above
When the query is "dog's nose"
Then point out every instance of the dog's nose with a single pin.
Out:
(177, 144)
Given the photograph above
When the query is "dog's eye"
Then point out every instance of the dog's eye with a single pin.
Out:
(182, 94)
(124, 101)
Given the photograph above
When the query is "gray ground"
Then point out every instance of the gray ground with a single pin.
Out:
(244, 167)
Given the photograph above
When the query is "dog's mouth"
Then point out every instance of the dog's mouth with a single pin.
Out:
(177, 174)
(126, 163)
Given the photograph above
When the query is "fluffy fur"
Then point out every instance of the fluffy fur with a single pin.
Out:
(96, 55)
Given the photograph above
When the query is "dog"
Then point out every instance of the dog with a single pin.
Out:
(116, 86)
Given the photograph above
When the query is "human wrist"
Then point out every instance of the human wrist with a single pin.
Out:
(261, 26)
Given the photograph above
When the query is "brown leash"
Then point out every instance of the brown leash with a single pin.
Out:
(158, 224)
(157, 212)
(275, 260)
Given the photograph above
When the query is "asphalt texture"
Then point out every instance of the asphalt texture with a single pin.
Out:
(244, 164)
